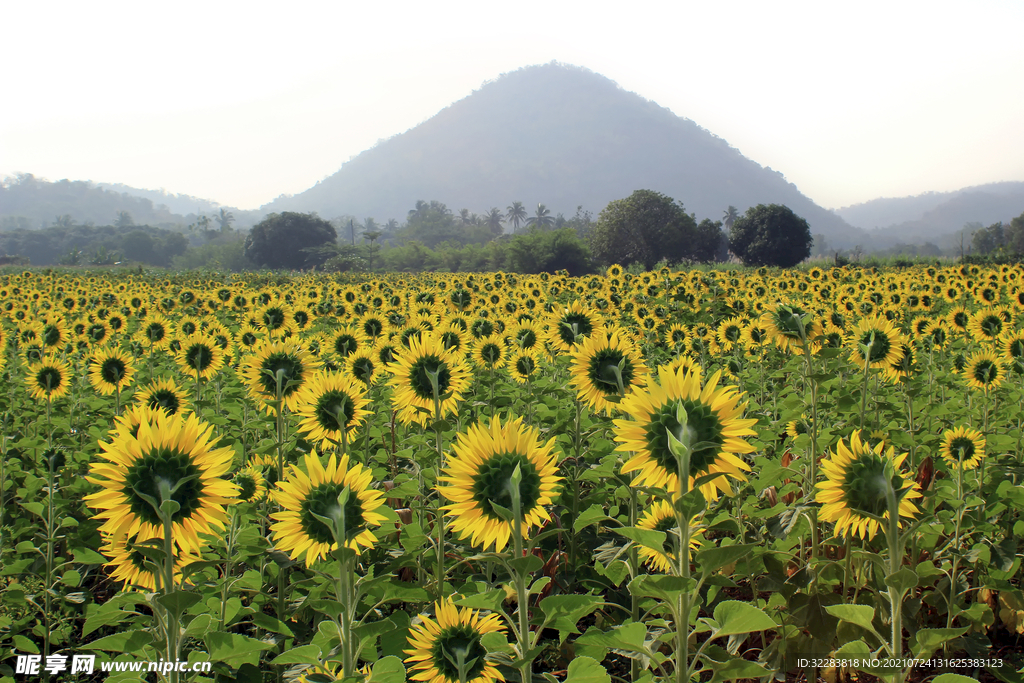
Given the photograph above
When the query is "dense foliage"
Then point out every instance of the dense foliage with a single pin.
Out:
(645, 228)
(283, 240)
(770, 235)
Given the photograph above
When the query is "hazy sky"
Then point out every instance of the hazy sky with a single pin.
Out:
(240, 102)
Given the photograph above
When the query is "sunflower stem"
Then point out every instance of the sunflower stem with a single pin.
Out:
(956, 541)
(522, 595)
(895, 563)
(681, 448)
(867, 367)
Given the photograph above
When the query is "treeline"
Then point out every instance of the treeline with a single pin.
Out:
(95, 245)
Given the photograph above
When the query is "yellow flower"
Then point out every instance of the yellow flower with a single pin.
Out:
(606, 367)
(414, 391)
(963, 447)
(314, 493)
(716, 432)
(164, 452)
(48, 379)
(480, 473)
(436, 646)
(331, 403)
(858, 481)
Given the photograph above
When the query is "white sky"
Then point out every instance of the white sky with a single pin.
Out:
(240, 102)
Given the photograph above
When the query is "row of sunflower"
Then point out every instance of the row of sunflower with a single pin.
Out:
(462, 472)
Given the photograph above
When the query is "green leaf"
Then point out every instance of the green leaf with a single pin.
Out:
(71, 578)
(271, 624)
(126, 641)
(649, 538)
(715, 558)
(665, 588)
(734, 616)
(592, 515)
(629, 638)
(586, 670)
(387, 670)
(304, 654)
(199, 625)
(23, 644)
(953, 678)
(177, 602)
(903, 580)
(563, 611)
(860, 615)
(527, 564)
(735, 669)
(87, 556)
(491, 600)
(927, 640)
(234, 649)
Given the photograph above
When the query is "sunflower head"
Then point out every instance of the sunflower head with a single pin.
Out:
(678, 410)
(167, 457)
(859, 482)
(662, 517)
(962, 448)
(252, 485)
(49, 378)
(325, 502)
(984, 370)
(875, 341)
(278, 369)
(427, 376)
(447, 649)
(331, 403)
(480, 481)
(111, 370)
(791, 328)
(606, 369)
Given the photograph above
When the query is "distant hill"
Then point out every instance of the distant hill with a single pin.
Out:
(562, 136)
(939, 212)
(28, 202)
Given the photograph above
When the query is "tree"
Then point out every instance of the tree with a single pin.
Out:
(225, 219)
(124, 220)
(711, 244)
(989, 240)
(548, 251)
(770, 235)
(138, 246)
(729, 216)
(279, 240)
(516, 214)
(643, 228)
(493, 221)
(543, 217)
(373, 236)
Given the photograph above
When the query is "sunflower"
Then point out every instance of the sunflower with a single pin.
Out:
(49, 378)
(1013, 350)
(252, 485)
(886, 342)
(791, 327)
(523, 365)
(962, 448)
(164, 393)
(200, 357)
(248, 337)
(331, 403)
(606, 367)
(155, 333)
(489, 353)
(363, 366)
(169, 455)
(133, 567)
(112, 370)
(414, 391)
(315, 492)
(437, 646)
(571, 324)
(984, 370)
(858, 481)
(479, 474)
(662, 517)
(713, 421)
(286, 360)
(986, 325)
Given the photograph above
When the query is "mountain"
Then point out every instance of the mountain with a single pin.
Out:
(938, 212)
(29, 202)
(562, 136)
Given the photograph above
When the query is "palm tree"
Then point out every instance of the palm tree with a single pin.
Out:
(729, 217)
(543, 218)
(225, 219)
(493, 220)
(466, 217)
(516, 214)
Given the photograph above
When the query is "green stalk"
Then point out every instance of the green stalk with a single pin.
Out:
(522, 596)
(866, 351)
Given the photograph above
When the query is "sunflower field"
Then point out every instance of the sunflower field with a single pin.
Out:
(477, 478)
